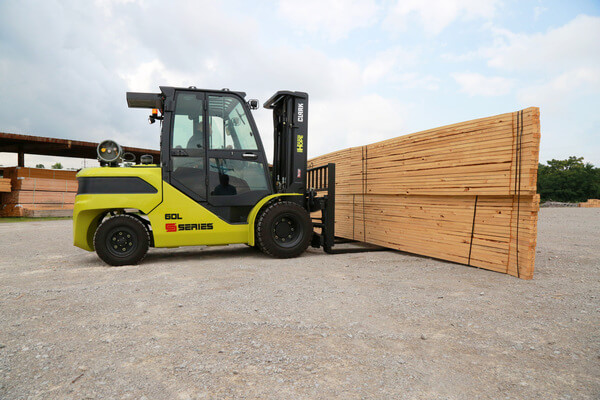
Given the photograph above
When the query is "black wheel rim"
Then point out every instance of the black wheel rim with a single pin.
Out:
(287, 230)
(121, 241)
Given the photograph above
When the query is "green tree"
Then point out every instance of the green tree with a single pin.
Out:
(57, 166)
(40, 166)
(569, 180)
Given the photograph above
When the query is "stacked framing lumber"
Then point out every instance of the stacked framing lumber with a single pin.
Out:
(464, 192)
(591, 203)
(38, 192)
(5, 185)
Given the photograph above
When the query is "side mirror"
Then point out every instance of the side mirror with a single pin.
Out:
(253, 104)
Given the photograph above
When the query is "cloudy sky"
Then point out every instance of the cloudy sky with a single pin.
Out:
(373, 69)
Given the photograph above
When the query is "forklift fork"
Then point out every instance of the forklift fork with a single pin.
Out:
(322, 179)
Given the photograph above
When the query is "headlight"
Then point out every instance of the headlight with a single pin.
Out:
(109, 152)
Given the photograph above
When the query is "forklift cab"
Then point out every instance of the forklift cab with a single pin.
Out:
(212, 152)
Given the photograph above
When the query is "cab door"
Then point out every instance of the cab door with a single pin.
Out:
(187, 145)
(237, 170)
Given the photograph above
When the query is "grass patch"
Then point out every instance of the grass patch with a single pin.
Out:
(27, 219)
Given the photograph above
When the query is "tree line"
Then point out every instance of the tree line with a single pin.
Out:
(570, 180)
(54, 166)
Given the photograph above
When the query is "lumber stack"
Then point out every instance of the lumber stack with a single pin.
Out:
(591, 203)
(38, 192)
(464, 192)
(4, 185)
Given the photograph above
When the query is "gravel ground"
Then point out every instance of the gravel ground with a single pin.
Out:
(228, 322)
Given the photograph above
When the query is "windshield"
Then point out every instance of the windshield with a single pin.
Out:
(229, 125)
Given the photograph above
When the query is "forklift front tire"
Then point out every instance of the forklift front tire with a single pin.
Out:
(121, 240)
(284, 230)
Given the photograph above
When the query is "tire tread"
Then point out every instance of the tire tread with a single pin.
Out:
(129, 217)
(261, 237)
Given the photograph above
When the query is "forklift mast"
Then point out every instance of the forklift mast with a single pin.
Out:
(290, 121)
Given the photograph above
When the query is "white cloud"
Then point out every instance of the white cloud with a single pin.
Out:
(568, 105)
(148, 76)
(334, 18)
(435, 15)
(475, 84)
(386, 64)
(558, 71)
(107, 6)
(414, 80)
(571, 45)
(354, 121)
(469, 56)
(394, 67)
(560, 90)
(537, 11)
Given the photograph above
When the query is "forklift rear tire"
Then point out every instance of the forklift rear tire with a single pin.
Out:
(284, 230)
(121, 240)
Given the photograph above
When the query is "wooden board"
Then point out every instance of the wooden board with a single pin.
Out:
(591, 203)
(37, 192)
(25, 172)
(38, 197)
(5, 185)
(25, 210)
(45, 184)
(464, 193)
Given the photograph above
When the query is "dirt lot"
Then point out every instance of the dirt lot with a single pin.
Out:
(229, 322)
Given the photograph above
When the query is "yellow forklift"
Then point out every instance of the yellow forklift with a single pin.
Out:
(212, 184)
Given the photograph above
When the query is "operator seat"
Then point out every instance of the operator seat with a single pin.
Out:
(196, 141)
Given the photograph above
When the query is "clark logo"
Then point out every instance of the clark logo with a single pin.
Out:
(300, 112)
(172, 227)
(300, 143)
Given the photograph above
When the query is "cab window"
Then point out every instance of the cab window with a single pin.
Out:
(187, 154)
(230, 177)
(187, 125)
(228, 125)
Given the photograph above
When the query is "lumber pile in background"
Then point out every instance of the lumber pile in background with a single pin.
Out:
(591, 203)
(464, 192)
(38, 192)
(4, 185)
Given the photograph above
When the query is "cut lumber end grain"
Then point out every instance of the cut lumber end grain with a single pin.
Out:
(38, 197)
(5, 185)
(46, 184)
(24, 210)
(37, 192)
(26, 172)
